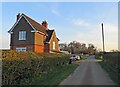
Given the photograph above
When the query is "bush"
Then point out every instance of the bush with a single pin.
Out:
(111, 57)
(111, 62)
(17, 66)
(98, 55)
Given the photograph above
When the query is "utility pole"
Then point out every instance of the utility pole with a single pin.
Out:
(103, 38)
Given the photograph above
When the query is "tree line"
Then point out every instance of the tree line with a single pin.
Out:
(75, 47)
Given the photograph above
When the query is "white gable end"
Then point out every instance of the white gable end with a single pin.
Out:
(10, 31)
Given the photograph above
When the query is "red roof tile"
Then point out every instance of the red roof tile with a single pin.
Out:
(36, 25)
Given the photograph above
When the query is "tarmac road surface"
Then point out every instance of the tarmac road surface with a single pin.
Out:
(89, 72)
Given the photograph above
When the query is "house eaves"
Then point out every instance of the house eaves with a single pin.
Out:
(34, 30)
(18, 22)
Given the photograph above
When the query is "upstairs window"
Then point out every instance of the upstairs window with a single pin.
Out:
(53, 45)
(22, 35)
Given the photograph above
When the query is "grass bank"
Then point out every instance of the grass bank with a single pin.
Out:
(111, 70)
(111, 64)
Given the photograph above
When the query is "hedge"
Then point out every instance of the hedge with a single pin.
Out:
(17, 66)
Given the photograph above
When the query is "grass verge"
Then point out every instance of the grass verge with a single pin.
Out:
(111, 70)
(54, 77)
(84, 58)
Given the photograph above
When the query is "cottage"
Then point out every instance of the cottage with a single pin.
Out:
(28, 35)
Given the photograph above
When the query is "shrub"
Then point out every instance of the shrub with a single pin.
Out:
(18, 66)
(111, 60)
(111, 57)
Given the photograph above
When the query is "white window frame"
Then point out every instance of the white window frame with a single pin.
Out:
(23, 49)
(22, 35)
(53, 45)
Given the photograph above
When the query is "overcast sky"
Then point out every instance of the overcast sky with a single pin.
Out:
(78, 21)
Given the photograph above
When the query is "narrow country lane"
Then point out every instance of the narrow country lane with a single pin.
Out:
(89, 72)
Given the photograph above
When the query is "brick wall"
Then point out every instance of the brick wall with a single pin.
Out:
(46, 48)
(28, 47)
(54, 39)
(39, 48)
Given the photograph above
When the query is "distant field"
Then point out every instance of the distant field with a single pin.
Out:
(22, 67)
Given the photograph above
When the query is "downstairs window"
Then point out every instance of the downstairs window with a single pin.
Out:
(21, 49)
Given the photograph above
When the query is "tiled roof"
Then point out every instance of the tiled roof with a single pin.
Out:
(36, 25)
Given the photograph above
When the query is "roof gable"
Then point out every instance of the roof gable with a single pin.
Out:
(35, 26)
(22, 16)
(50, 33)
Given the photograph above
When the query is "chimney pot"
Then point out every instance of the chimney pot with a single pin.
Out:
(18, 16)
(45, 24)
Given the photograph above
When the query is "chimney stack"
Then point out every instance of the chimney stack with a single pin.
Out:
(18, 16)
(45, 24)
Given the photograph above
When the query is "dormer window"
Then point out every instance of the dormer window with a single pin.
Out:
(22, 35)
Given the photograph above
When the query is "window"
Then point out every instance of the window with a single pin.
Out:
(21, 49)
(22, 35)
(53, 45)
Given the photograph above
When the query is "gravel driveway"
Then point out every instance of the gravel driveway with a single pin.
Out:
(89, 72)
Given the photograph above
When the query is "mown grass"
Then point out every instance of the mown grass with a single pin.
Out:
(54, 77)
(112, 70)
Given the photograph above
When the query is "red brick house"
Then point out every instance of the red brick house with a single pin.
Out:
(28, 35)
